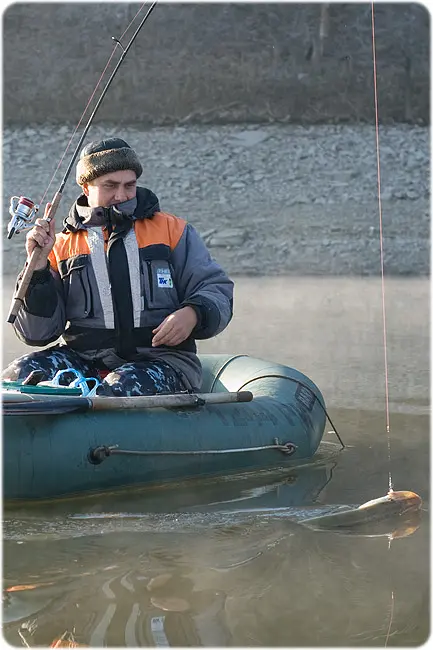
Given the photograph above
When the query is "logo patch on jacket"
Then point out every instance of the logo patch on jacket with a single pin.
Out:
(164, 278)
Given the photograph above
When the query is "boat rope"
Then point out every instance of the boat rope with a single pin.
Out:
(297, 381)
(222, 368)
(100, 453)
(382, 274)
(118, 44)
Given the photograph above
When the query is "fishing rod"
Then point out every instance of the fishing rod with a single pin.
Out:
(24, 210)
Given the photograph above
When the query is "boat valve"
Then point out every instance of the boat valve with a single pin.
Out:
(23, 212)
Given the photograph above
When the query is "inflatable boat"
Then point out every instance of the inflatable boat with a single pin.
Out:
(251, 414)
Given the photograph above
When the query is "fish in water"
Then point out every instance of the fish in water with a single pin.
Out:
(393, 505)
(393, 514)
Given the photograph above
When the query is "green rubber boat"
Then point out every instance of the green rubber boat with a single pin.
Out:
(251, 414)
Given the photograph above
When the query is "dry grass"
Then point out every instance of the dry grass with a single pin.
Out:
(208, 63)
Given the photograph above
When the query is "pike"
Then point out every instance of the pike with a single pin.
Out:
(23, 210)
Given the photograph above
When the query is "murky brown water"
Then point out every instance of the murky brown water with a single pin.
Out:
(260, 582)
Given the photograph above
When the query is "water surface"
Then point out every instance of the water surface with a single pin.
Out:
(211, 579)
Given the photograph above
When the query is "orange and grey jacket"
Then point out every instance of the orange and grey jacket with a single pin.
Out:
(113, 277)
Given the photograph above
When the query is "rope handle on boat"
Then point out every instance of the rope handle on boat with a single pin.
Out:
(278, 376)
(99, 454)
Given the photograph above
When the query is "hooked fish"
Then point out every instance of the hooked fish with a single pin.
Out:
(393, 504)
(400, 507)
(393, 514)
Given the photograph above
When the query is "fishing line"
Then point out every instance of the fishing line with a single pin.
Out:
(379, 196)
(118, 44)
(391, 617)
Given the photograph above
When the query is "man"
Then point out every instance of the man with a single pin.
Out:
(128, 287)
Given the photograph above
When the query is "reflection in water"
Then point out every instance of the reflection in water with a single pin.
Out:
(147, 587)
(264, 583)
(236, 586)
(117, 595)
(240, 580)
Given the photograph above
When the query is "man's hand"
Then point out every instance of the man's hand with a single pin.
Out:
(43, 234)
(175, 328)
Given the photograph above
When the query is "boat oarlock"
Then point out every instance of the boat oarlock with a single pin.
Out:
(24, 210)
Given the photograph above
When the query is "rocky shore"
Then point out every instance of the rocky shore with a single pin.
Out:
(268, 200)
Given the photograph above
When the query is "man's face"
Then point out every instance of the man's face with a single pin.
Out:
(111, 189)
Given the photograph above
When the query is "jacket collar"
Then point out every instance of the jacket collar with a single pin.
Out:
(81, 216)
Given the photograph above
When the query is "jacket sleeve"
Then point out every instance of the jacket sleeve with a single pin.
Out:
(41, 319)
(202, 284)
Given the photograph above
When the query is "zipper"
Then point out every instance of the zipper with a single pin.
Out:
(149, 273)
(86, 311)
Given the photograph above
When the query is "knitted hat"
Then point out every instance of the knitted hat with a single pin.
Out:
(104, 157)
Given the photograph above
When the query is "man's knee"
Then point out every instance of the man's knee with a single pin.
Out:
(20, 368)
(48, 362)
(141, 378)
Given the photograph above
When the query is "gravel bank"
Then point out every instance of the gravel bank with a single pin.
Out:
(267, 200)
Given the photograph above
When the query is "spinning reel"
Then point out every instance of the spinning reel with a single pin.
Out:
(23, 212)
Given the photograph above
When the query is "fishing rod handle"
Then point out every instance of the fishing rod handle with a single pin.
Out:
(20, 294)
(53, 207)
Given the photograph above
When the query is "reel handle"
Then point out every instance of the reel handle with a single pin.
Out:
(20, 294)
